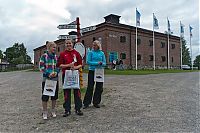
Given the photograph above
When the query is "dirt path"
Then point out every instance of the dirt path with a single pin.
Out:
(151, 103)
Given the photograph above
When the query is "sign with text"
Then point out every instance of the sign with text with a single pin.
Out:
(67, 37)
(87, 29)
(67, 26)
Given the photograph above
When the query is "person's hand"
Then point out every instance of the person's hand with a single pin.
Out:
(100, 63)
(74, 68)
(53, 74)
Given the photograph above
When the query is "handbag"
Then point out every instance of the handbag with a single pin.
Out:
(71, 80)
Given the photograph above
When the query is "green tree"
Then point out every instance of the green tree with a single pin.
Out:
(185, 53)
(1, 54)
(197, 61)
(17, 54)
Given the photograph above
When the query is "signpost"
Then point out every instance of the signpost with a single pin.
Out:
(67, 26)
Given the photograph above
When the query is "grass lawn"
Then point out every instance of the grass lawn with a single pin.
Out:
(142, 72)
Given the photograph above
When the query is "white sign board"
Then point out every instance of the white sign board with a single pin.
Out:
(67, 26)
(67, 37)
(87, 29)
(80, 48)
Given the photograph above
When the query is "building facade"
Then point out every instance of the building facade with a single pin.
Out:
(119, 42)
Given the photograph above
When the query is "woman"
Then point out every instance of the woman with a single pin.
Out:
(48, 67)
(95, 59)
(70, 59)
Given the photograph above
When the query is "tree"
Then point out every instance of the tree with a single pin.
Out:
(197, 61)
(1, 54)
(185, 53)
(17, 54)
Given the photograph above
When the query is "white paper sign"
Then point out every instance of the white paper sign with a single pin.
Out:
(71, 80)
(99, 75)
(50, 87)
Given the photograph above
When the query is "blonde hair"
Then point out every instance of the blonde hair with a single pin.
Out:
(49, 45)
(68, 39)
(98, 44)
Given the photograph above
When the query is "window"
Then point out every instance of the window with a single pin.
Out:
(122, 39)
(138, 41)
(83, 42)
(36, 63)
(58, 49)
(163, 58)
(173, 46)
(150, 42)
(162, 44)
(93, 38)
(138, 57)
(172, 59)
(150, 57)
(123, 56)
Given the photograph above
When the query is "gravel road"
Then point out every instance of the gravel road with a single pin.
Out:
(130, 104)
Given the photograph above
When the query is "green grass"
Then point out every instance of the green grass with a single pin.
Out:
(142, 72)
(61, 95)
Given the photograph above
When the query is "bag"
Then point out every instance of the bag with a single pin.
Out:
(71, 80)
(99, 75)
(50, 87)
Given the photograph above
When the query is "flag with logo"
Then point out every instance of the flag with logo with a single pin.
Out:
(155, 22)
(168, 26)
(137, 17)
(190, 30)
(181, 29)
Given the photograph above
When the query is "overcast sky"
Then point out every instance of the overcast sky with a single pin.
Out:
(33, 22)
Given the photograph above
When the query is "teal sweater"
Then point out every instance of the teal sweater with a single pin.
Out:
(95, 56)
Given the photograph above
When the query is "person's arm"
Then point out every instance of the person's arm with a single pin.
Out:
(79, 61)
(61, 62)
(89, 60)
(42, 67)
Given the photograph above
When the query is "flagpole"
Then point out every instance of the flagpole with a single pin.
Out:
(168, 64)
(154, 63)
(136, 48)
(181, 46)
(191, 52)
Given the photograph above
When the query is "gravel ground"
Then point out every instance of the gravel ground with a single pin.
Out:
(140, 104)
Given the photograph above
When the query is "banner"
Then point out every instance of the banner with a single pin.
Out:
(71, 80)
(50, 87)
(99, 75)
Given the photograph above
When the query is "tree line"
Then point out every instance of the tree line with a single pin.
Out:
(17, 54)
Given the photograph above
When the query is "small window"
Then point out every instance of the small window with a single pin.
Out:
(150, 42)
(172, 59)
(123, 56)
(162, 44)
(58, 49)
(83, 42)
(150, 57)
(122, 39)
(36, 63)
(138, 41)
(163, 58)
(93, 38)
(138, 57)
(173, 46)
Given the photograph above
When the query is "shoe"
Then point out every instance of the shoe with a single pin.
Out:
(79, 112)
(85, 106)
(96, 106)
(53, 114)
(67, 113)
(44, 115)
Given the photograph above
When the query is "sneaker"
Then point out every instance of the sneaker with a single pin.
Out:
(53, 114)
(79, 112)
(44, 115)
(67, 113)
(85, 106)
(96, 106)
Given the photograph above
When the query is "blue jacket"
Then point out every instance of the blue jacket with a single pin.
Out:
(93, 57)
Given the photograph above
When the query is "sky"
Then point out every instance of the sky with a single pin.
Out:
(33, 22)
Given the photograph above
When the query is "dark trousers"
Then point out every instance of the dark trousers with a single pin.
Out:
(67, 98)
(89, 92)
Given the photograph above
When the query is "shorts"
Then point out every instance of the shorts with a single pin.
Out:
(45, 98)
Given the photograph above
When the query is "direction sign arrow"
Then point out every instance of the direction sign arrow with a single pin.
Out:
(87, 29)
(67, 26)
(67, 37)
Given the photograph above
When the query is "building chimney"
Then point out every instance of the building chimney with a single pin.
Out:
(112, 19)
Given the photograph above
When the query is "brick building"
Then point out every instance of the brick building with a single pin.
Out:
(118, 42)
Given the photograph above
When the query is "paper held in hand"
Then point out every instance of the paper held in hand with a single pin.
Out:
(99, 75)
(50, 87)
(71, 80)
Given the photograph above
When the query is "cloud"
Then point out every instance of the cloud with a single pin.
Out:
(35, 21)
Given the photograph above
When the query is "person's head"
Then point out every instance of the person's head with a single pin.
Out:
(97, 45)
(68, 44)
(51, 47)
